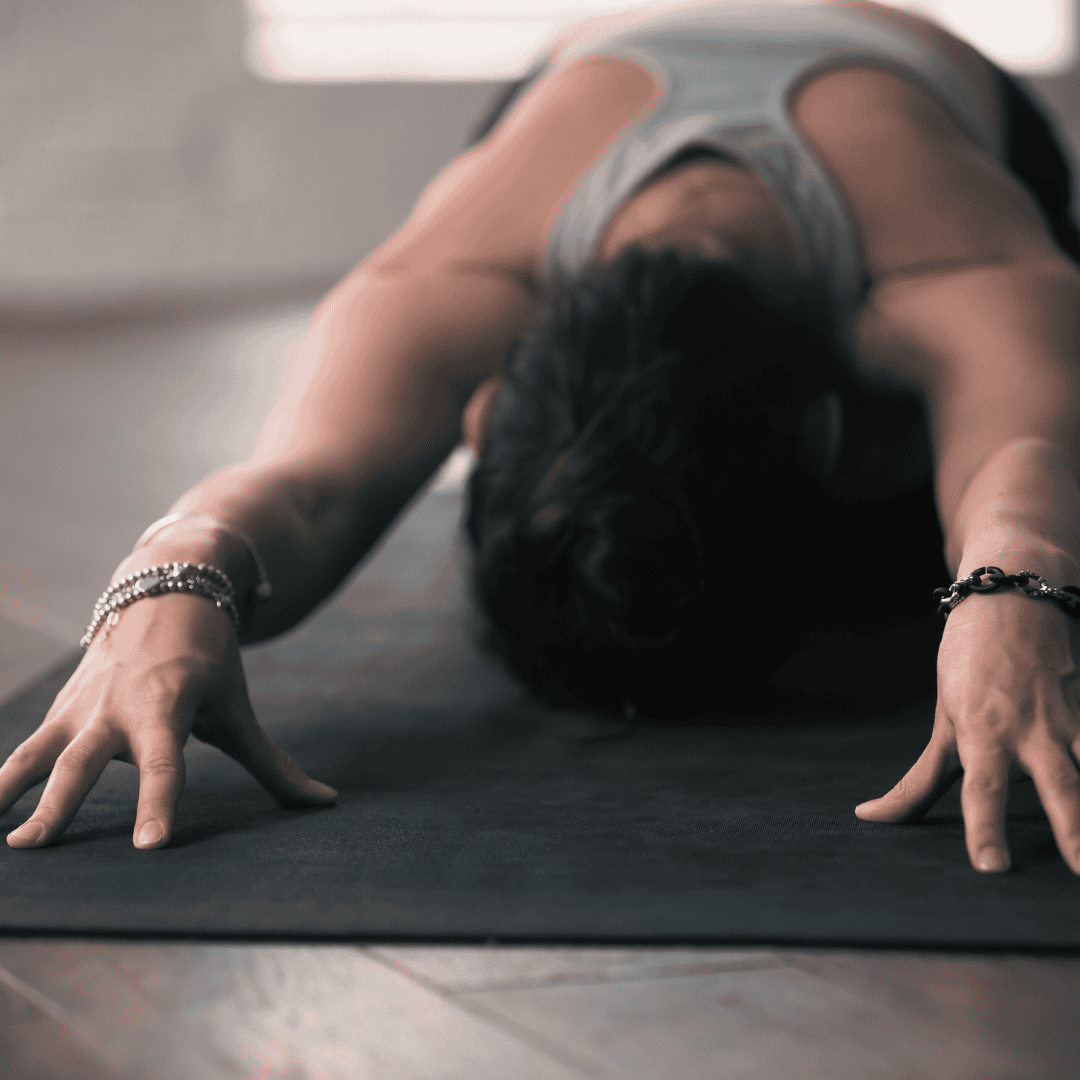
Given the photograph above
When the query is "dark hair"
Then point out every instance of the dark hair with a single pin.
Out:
(642, 481)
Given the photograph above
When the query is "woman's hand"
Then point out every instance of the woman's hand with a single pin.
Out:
(1008, 704)
(168, 669)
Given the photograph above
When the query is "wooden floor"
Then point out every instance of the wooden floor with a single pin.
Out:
(81, 1009)
(99, 431)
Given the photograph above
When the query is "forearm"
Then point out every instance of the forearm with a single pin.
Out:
(371, 409)
(307, 535)
(1022, 506)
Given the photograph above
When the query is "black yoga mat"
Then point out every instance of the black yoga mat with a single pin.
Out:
(470, 812)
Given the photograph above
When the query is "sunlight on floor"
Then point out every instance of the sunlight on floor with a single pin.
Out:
(472, 40)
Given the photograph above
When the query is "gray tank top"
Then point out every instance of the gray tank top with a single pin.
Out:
(727, 72)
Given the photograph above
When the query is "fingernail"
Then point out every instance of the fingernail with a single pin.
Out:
(30, 831)
(325, 790)
(992, 861)
(150, 833)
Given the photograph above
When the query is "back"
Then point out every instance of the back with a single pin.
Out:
(728, 74)
(605, 118)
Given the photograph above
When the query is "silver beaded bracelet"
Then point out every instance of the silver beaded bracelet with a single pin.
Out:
(264, 590)
(203, 580)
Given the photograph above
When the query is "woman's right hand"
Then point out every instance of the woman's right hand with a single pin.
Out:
(170, 668)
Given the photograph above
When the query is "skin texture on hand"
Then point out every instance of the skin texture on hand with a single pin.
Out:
(1008, 706)
(169, 669)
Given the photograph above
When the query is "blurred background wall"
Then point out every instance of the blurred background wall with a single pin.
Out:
(143, 167)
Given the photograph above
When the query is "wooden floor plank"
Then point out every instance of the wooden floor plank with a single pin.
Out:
(37, 1044)
(462, 969)
(1022, 1010)
(203, 1012)
(772, 1024)
(158, 1011)
(859, 1015)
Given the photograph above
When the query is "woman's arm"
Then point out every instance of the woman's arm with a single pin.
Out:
(371, 409)
(998, 350)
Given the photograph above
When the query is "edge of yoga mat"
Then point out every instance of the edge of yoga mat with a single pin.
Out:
(653, 915)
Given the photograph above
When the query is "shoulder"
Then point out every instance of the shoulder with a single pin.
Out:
(929, 204)
(492, 205)
(919, 187)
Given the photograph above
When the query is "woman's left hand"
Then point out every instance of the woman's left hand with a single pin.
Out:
(1008, 706)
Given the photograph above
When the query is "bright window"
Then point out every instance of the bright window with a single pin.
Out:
(360, 40)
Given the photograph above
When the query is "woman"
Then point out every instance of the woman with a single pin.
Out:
(709, 243)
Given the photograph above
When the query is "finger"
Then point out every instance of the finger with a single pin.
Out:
(160, 760)
(239, 735)
(984, 795)
(1057, 781)
(286, 781)
(74, 774)
(29, 764)
(281, 776)
(937, 769)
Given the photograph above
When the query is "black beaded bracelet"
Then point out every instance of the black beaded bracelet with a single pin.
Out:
(1067, 598)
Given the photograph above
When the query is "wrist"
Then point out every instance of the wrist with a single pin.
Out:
(195, 542)
(1023, 503)
(1059, 565)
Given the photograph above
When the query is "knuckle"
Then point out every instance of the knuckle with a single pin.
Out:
(49, 812)
(984, 783)
(158, 700)
(907, 786)
(101, 727)
(162, 765)
(77, 758)
(23, 756)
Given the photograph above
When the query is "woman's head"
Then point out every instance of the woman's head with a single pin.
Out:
(644, 474)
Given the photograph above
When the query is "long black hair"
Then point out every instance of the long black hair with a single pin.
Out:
(643, 478)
